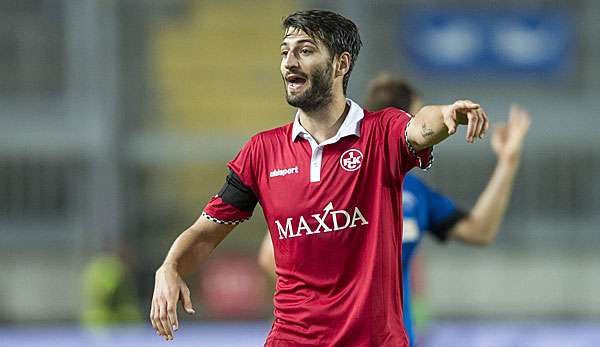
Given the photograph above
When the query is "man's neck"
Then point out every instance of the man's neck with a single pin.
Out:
(324, 123)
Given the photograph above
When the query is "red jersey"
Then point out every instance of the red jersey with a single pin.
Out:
(334, 213)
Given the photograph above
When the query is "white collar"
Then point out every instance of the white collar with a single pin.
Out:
(350, 126)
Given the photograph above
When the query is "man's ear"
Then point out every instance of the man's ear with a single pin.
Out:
(343, 64)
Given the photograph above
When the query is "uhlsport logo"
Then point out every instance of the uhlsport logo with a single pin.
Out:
(351, 160)
(284, 172)
(338, 220)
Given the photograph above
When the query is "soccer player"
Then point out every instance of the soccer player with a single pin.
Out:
(425, 210)
(329, 184)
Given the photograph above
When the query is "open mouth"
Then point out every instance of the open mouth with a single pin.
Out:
(295, 82)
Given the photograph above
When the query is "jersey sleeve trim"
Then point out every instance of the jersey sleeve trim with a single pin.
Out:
(425, 157)
(220, 221)
(441, 231)
(233, 204)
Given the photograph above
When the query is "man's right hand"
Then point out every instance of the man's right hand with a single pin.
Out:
(169, 288)
(467, 113)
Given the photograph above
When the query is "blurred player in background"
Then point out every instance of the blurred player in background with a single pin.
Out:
(329, 184)
(109, 295)
(425, 210)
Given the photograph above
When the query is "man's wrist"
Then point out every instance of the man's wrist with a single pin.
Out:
(509, 162)
(445, 109)
(168, 265)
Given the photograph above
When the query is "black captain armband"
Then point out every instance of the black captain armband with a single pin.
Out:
(441, 230)
(236, 194)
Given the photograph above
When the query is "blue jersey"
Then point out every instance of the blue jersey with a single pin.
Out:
(423, 210)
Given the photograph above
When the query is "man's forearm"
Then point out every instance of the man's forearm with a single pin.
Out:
(194, 245)
(427, 127)
(433, 124)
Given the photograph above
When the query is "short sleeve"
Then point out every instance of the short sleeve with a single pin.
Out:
(401, 154)
(443, 215)
(235, 202)
(244, 164)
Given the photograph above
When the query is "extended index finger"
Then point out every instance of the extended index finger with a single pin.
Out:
(465, 104)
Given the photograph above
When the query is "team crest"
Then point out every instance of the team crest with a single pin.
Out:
(351, 160)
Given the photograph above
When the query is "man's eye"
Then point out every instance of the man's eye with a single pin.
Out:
(284, 53)
(306, 51)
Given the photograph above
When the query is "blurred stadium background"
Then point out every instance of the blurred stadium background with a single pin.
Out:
(117, 119)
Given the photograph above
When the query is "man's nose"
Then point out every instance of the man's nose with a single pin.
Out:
(290, 61)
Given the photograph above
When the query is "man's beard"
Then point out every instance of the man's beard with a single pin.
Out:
(318, 95)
